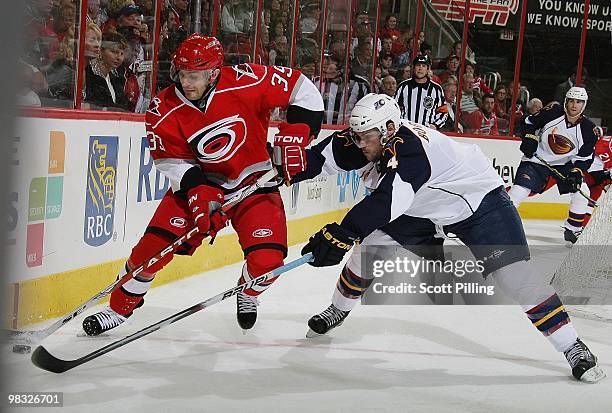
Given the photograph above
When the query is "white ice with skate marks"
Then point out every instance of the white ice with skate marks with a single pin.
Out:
(385, 358)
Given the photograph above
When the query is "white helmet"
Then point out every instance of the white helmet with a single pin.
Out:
(578, 93)
(374, 112)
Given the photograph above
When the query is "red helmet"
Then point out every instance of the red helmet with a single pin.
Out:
(198, 52)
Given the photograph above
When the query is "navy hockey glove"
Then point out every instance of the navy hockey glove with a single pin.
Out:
(529, 146)
(599, 177)
(574, 180)
(329, 245)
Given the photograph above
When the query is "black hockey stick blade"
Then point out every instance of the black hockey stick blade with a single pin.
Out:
(47, 361)
(43, 359)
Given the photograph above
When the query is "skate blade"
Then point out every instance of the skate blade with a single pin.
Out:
(84, 334)
(593, 375)
(313, 334)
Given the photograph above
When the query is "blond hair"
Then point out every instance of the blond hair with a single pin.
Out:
(91, 26)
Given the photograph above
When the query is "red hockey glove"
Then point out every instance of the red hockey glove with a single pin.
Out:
(290, 149)
(205, 206)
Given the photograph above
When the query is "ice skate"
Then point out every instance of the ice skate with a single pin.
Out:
(321, 323)
(571, 236)
(583, 363)
(102, 321)
(246, 311)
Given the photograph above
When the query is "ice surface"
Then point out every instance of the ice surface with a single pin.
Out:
(384, 358)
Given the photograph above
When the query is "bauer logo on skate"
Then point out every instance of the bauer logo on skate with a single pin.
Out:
(100, 191)
(220, 141)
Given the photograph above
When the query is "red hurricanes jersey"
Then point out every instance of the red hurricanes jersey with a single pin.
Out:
(603, 149)
(482, 125)
(228, 137)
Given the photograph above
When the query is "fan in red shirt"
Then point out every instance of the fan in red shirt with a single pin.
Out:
(207, 133)
(483, 121)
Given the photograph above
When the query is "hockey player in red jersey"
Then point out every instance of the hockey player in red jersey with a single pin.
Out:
(208, 134)
(599, 175)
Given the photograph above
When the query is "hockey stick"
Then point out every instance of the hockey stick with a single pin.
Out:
(34, 336)
(563, 178)
(46, 361)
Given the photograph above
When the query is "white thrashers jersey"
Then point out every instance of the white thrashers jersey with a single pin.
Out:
(560, 142)
(421, 173)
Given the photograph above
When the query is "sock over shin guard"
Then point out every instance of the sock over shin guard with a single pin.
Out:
(553, 321)
(575, 220)
(349, 289)
(259, 262)
(539, 302)
(129, 295)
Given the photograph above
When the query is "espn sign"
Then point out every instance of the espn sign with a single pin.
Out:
(490, 11)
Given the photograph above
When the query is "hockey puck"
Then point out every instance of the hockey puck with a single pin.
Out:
(22, 349)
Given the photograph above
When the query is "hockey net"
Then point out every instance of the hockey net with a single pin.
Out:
(584, 279)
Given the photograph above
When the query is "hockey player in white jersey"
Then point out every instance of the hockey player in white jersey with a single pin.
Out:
(565, 139)
(424, 183)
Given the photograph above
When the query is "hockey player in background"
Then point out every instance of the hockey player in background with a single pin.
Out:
(564, 138)
(423, 184)
(208, 135)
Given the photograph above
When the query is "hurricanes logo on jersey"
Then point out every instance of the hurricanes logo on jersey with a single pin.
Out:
(559, 144)
(219, 141)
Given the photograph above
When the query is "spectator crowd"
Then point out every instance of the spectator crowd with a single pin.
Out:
(346, 60)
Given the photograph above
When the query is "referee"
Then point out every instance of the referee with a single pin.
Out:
(420, 99)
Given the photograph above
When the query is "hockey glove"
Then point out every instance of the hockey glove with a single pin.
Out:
(329, 245)
(529, 146)
(599, 177)
(290, 144)
(574, 180)
(205, 207)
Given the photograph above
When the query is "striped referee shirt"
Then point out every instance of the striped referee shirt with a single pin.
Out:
(420, 103)
(358, 88)
(333, 102)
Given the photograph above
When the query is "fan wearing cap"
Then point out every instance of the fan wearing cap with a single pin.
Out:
(565, 138)
(207, 133)
(420, 99)
(130, 15)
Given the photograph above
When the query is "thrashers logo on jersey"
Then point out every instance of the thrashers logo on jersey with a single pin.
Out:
(559, 144)
(219, 141)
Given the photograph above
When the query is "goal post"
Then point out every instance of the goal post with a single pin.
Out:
(584, 279)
